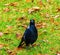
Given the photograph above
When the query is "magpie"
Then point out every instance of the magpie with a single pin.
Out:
(30, 34)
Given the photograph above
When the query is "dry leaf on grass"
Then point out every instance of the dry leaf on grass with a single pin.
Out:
(49, 1)
(58, 9)
(9, 27)
(52, 49)
(20, 18)
(57, 16)
(56, 23)
(12, 4)
(18, 35)
(6, 9)
(46, 54)
(25, 26)
(1, 45)
(47, 15)
(39, 54)
(33, 9)
(58, 53)
(40, 3)
(28, 0)
(52, 20)
(17, 49)
(41, 25)
(1, 34)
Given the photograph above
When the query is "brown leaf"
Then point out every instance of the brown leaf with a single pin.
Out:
(57, 16)
(41, 25)
(6, 10)
(49, 1)
(1, 45)
(52, 20)
(1, 34)
(52, 49)
(46, 54)
(16, 49)
(25, 26)
(39, 54)
(18, 35)
(20, 18)
(56, 23)
(58, 53)
(7, 4)
(9, 27)
(58, 9)
(10, 52)
(6, 32)
(28, 0)
(13, 4)
(33, 9)
(40, 3)
(47, 15)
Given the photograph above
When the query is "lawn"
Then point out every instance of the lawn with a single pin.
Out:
(14, 18)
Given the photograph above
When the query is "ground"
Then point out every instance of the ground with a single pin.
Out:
(14, 18)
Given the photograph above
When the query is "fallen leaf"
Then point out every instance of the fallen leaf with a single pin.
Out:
(6, 32)
(44, 25)
(28, 0)
(41, 25)
(7, 4)
(9, 27)
(49, 1)
(1, 45)
(18, 35)
(58, 53)
(1, 34)
(46, 54)
(17, 49)
(52, 20)
(14, 4)
(9, 51)
(33, 9)
(20, 18)
(56, 23)
(40, 3)
(6, 10)
(57, 16)
(52, 49)
(39, 54)
(25, 26)
(58, 9)
(47, 15)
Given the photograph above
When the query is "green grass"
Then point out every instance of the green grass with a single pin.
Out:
(49, 42)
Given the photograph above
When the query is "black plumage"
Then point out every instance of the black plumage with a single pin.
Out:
(30, 34)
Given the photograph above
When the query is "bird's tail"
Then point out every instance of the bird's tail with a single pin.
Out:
(21, 43)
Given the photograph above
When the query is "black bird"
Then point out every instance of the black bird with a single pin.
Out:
(30, 34)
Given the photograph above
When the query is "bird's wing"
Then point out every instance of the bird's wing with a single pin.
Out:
(27, 34)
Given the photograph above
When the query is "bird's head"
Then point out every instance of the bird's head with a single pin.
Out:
(32, 22)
